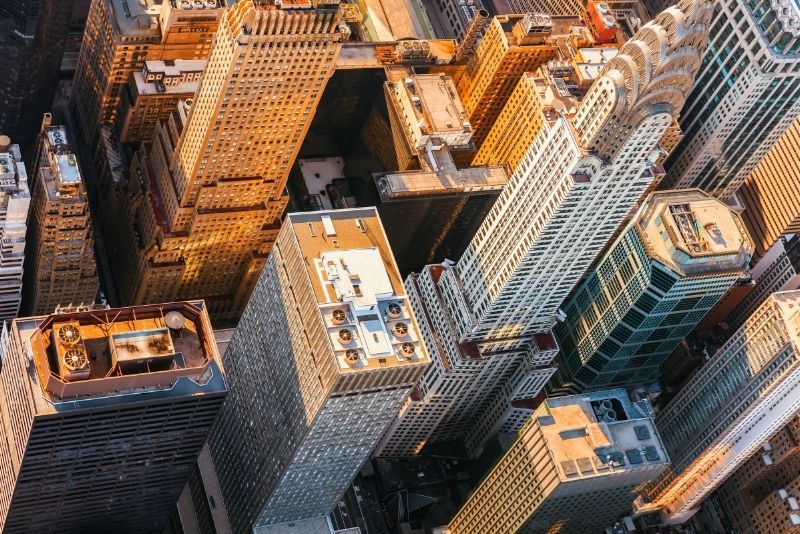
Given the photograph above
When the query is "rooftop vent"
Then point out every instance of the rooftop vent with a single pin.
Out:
(75, 359)
(175, 320)
(642, 432)
(73, 363)
(394, 310)
(57, 137)
(651, 453)
(634, 456)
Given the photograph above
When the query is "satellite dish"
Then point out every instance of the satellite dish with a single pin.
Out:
(175, 320)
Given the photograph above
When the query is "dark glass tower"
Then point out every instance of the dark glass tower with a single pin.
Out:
(32, 37)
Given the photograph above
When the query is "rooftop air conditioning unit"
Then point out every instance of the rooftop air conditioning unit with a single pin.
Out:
(69, 334)
(400, 329)
(407, 349)
(351, 356)
(394, 310)
(338, 316)
(75, 359)
(345, 336)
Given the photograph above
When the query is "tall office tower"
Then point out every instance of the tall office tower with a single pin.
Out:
(521, 117)
(215, 188)
(32, 37)
(15, 201)
(746, 95)
(452, 19)
(575, 467)
(771, 194)
(60, 264)
(745, 393)
(585, 170)
(330, 338)
(777, 270)
(678, 258)
(152, 95)
(762, 495)
(110, 409)
(433, 209)
(118, 39)
(511, 46)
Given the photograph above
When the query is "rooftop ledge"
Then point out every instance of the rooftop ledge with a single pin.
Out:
(103, 352)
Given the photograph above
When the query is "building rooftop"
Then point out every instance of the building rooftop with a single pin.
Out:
(694, 233)
(446, 181)
(318, 173)
(64, 163)
(100, 353)
(13, 175)
(600, 433)
(175, 67)
(136, 17)
(429, 107)
(358, 289)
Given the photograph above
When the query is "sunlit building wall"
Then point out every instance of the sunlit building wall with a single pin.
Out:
(212, 184)
(60, 268)
(762, 495)
(771, 193)
(119, 37)
(729, 409)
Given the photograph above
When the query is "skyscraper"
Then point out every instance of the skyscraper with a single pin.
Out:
(746, 95)
(432, 209)
(120, 36)
(575, 467)
(511, 46)
(324, 355)
(745, 394)
(110, 409)
(771, 193)
(762, 495)
(487, 319)
(452, 19)
(60, 264)
(777, 270)
(32, 37)
(153, 94)
(678, 258)
(213, 189)
(521, 117)
(520, 120)
(15, 201)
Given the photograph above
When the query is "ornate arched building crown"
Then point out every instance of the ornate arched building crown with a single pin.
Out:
(652, 74)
